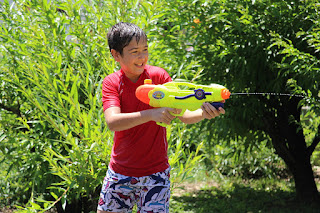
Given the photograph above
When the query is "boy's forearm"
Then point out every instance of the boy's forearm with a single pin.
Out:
(124, 121)
(207, 111)
(191, 117)
(118, 121)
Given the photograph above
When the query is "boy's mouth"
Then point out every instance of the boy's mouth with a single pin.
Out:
(140, 65)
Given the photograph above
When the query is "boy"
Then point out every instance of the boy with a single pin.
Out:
(138, 170)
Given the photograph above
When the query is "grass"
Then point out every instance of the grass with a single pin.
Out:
(209, 191)
(239, 198)
(237, 195)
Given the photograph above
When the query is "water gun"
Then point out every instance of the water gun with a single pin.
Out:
(170, 95)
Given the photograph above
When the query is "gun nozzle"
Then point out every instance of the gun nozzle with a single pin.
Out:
(225, 94)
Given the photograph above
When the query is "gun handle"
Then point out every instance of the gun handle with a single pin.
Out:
(162, 124)
(217, 104)
(165, 125)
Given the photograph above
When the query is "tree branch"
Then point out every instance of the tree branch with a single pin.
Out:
(315, 142)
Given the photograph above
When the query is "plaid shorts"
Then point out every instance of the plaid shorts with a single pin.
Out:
(120, 193)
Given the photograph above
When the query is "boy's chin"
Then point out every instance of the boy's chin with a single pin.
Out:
(140, 69)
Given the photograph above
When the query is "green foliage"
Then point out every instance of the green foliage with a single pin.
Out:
(233, 159)
(56, 85)
(263, 43)
(253, 47)
(182, 160)
(55, 145)
(54, 56)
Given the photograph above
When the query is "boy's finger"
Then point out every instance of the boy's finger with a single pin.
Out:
(168, 118)
(168, 114)
(222, 111)
(211, 110)
(171, 109)
(175, 111)
(178, 111)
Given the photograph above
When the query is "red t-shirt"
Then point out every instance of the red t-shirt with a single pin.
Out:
(141, 150)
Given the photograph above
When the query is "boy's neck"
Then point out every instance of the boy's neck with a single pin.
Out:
(133, 79)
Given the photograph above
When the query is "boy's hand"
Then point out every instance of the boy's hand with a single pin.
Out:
(163, 114)
(177, 111)
(209, 111)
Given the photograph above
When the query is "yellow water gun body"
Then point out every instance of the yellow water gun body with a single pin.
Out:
(170, 95)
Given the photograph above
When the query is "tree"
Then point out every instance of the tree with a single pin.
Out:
(261, 46)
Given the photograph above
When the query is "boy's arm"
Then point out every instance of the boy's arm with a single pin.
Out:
(207, 111)
(118, 121)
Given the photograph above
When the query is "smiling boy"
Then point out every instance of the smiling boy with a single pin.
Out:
(138, 171)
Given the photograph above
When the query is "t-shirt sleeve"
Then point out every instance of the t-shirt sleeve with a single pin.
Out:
(110, 94)
(166, 77)
(161, 76)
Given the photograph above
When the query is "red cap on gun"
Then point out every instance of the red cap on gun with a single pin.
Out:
(142, 92)
(225, 94)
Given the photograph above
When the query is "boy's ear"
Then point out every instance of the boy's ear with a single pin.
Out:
(115, 55)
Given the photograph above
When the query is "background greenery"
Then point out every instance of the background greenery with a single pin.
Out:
(55, 145)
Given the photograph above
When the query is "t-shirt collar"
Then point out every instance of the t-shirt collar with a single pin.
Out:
(141, 77)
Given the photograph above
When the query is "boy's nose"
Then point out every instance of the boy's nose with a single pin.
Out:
(143, 55)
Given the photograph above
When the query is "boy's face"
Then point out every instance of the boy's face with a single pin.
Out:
(133, 59)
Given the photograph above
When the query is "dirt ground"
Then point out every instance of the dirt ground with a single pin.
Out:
(6, 210)
(183, 188)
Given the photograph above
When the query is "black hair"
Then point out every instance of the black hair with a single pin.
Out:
(120, 35)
